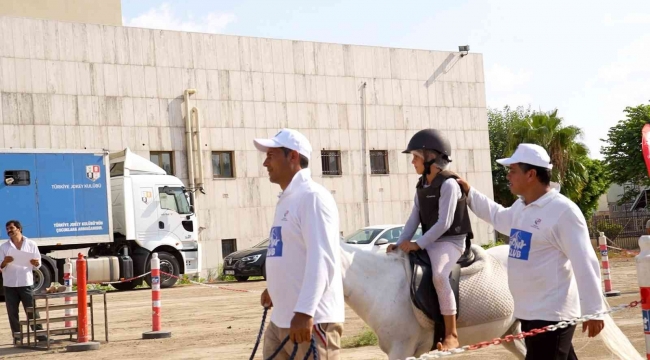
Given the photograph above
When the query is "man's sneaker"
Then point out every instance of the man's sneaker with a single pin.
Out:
(42, 338)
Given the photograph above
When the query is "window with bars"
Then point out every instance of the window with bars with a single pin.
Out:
(379, 162)
(228, 246)
(331, 161)
(164, 159)
(222, 164)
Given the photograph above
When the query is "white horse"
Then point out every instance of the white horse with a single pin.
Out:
(377, 288)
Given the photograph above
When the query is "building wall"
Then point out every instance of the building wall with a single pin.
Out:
(106, 12)
(603, 205)
(72, 86)
(614, 193)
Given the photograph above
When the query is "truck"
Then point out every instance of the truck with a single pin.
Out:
(119, 207)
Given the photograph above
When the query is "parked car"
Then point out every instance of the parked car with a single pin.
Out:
(246, 263)
(377, 238)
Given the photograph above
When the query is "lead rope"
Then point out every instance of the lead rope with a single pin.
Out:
(259, 336)
(312, 345)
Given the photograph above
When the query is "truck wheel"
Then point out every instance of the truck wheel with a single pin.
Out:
(42, 279)
(241, 278)
(169, 265)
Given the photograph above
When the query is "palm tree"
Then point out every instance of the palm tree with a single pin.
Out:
(562, 144)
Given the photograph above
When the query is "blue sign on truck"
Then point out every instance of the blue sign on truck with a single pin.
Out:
(56, 195)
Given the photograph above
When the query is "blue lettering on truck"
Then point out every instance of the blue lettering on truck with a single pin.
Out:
(66, 195)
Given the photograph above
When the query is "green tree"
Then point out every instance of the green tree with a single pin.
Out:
(499, 127)
(623, 153)
(567, 153)
(598, 182)
(583, 179)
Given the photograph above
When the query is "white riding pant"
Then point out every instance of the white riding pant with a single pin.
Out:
(444, 255)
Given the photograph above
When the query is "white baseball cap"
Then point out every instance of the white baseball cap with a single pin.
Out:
(289, 138)
(529, 154)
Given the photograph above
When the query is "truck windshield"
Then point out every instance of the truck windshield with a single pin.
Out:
(173, 198)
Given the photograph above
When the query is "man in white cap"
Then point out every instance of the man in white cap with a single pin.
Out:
(303, 268)
(549, 246)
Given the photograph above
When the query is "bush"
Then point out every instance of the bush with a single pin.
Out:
(611, 230)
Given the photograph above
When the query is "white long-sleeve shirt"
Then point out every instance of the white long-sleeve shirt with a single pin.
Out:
(553, 272)
(303, 264)
(449, 195)
(16, 275)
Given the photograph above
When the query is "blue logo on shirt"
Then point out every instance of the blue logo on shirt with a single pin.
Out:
(520, 244)
(275, 242)
(646, 321)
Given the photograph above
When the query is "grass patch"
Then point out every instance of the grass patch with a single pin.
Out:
(184, 280)
(222, 277)
(366, 338)
(90, 287)
(493, 244)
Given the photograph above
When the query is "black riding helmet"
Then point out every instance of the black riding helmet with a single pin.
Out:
(433, 140)
(430, 139)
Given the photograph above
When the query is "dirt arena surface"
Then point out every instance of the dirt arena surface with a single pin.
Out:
(208, 323)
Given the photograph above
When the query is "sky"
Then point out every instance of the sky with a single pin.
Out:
(588, 59)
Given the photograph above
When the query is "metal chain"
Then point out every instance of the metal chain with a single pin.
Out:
(561, 325)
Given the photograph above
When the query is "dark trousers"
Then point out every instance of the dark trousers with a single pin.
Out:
(13, 297)
(551, 345)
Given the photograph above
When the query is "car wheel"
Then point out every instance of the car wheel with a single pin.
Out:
(241, 278)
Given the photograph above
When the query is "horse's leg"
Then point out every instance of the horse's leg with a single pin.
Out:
(424, 346)
(405, 343)
(517, 347)
(401, 350)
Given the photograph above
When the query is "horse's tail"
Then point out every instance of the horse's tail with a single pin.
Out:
(616, 341)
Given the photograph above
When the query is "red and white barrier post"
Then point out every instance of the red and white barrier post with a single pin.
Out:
(602, 242)
(156, 303)
(67, 281)
(643, 276)
(82, 310)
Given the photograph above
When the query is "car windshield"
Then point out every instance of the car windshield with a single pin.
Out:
(362, 236)
(263, 244)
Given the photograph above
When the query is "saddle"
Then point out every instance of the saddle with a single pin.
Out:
(423, 292)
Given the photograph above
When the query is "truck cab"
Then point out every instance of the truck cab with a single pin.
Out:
(152, 213)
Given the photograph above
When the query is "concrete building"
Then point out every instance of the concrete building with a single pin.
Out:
(105, 12)
(78, 85)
